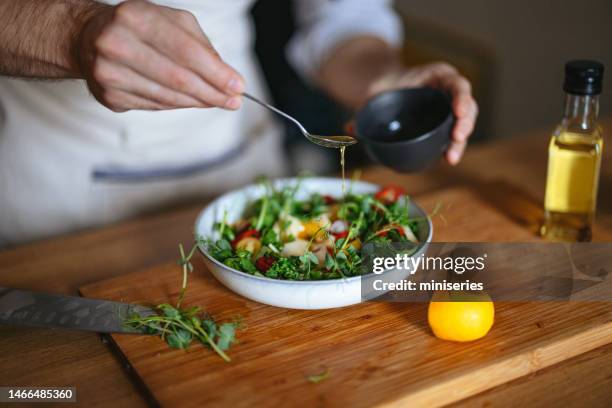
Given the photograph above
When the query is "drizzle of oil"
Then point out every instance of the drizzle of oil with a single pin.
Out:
(348, 140)
(342, 150)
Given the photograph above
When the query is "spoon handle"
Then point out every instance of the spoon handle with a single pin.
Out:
(273, 109)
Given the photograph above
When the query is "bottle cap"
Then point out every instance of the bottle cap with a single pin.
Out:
(583, 77)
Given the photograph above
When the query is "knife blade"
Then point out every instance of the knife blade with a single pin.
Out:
(25, 308)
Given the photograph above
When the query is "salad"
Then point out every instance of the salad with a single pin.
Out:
(320, 237)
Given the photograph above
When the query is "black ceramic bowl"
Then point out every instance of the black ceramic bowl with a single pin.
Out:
(407, 129)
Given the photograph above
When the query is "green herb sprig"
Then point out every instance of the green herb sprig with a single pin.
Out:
(180, 327)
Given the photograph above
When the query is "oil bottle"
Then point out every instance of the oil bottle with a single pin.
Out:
(574, 157)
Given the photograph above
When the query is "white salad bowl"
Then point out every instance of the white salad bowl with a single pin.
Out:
(320, 294)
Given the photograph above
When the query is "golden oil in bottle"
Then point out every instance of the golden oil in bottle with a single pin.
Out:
(574, 157)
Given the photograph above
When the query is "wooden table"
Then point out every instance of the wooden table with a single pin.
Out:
(40, 357)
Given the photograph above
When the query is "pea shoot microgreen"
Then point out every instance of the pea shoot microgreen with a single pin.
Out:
(179, 327)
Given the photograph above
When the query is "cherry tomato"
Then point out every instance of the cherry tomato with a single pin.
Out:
(339, 235)
(263, 263)
(329, 199)
(390, 194)
(390, 228)
(245, 234)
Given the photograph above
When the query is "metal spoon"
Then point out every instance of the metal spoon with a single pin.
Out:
(325, 141)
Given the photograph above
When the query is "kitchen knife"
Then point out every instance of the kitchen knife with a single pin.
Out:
(25, 308)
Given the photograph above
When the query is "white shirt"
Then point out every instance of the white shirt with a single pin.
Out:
(67, 162)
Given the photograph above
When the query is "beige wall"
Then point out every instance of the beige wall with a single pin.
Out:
(530, 41)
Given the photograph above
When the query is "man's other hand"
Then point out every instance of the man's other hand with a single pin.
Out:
(442, 76)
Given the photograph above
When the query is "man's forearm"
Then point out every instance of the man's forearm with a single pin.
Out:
(38, 38)
(353, 67)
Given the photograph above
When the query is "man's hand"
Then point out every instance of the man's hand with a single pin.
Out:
(362, 67)
(442, 76)
(138, 55)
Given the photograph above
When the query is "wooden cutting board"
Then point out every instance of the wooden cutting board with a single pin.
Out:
(375, 353)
